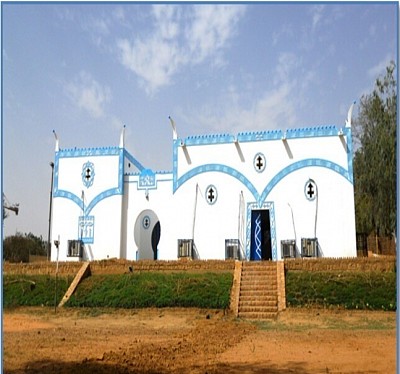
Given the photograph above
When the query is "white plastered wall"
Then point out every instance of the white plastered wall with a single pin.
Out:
(72, 199)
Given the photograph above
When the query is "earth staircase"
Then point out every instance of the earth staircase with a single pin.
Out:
(83, 272)
(261, 293)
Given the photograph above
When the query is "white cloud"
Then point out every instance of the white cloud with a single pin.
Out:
(181, 36)
(153, 60)
(380, 67)
(317, 11)
(88, 94)
(212, 27)
(271, 109)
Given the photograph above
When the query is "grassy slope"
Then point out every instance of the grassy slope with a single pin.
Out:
(351, 290)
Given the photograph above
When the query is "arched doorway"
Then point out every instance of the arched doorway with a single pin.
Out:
(147, 234)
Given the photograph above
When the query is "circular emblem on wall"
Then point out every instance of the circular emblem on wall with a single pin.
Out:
(211, 194)
(310, 190)
(146, 222)
(259, 162)
(88, 174)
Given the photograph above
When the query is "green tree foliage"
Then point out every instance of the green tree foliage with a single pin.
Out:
(375, 158)
(17, 248)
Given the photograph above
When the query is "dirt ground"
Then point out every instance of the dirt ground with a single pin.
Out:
(38, 340)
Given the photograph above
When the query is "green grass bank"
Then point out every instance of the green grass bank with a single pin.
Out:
(374, 290)
(140, 290)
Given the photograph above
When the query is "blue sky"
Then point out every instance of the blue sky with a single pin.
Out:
(87, 69)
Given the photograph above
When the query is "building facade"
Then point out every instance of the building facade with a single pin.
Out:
(252, 196)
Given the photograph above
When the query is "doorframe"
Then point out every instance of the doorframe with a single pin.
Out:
(268, 205)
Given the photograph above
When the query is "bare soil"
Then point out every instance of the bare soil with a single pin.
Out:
(38, 340)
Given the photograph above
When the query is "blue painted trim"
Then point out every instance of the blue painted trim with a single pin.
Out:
(299, 165)
(266, 205)
(70, 196)
(141, 187)
(119, 190)
(273, 182)
(133, 160)
(209, 139)
(92, 152)
(259, 136)
(319, 131)
(175, 146)
(310, 132)
(157, 172)
(100, 197)
(306, 132)
(147, 180)
(349, 141)
(215, 168)
(83, 222)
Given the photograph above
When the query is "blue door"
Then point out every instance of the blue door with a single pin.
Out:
(260, 248)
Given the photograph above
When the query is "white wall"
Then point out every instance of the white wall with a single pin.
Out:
(319, 154)
(100, 200)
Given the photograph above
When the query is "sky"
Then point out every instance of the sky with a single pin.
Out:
(86, 70)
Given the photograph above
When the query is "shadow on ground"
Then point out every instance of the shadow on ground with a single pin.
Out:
(99, 367)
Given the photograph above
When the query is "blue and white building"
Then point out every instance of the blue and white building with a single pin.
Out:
(253, 195)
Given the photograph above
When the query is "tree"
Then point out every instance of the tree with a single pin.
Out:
(375, 159)
(17, 248)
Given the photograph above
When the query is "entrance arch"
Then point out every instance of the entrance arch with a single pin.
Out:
(147, 233)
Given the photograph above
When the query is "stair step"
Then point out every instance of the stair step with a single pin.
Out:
(259, 281)
(258, 299)
(259, 275)
(253, 292)
(263, 276)
(253, 264)
(258, 316)
(258, 294)
(258, 308)
(259, 287)
(260, 270)
(258, 302)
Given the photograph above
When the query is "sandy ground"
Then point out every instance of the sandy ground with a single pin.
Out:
(38, 340)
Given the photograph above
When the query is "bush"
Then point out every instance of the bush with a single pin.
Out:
(17, 248)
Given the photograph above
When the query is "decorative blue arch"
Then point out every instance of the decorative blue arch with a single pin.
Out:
(93, 152)
(299, 165)
(215, 168)
(260, 198)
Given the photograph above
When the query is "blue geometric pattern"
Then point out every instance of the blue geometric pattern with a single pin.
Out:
(257, 237)
(88, 174)
(86, 229)
(147, 179)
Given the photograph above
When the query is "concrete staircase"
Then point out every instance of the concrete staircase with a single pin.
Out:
(259, 290)
(83, 272)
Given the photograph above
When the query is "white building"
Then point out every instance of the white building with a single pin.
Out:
(253, 195)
